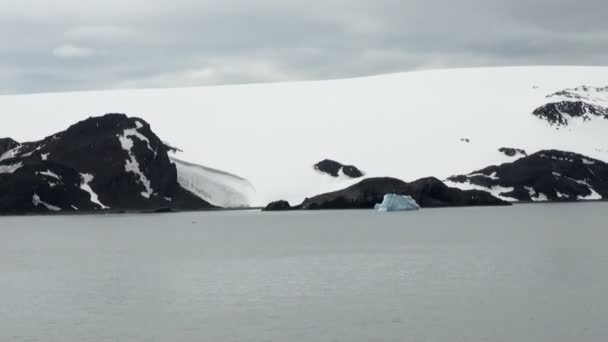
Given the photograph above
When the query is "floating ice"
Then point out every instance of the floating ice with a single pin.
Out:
(394, 202)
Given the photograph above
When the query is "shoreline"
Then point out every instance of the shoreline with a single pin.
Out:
(260, 209)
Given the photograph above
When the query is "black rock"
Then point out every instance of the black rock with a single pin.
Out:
(546, 175)
(512, 152)
(278, 206)
(428, 192)
(333, 169)
(554, 112)
(119, 158)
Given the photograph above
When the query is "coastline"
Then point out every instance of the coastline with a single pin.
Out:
(260, 209)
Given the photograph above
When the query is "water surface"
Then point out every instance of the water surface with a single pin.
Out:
(524, 273)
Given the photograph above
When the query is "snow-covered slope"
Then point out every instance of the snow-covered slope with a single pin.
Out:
(407, 125)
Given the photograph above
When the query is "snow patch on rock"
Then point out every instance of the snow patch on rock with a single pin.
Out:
(131, 164)
(491, 176)
(48, 173)
(496, 191)
(36, 201)
(87, 178)
(10, 168)
(10, 153)
(594, 195)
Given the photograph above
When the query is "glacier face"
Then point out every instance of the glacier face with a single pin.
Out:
(214, 186)
(392, 202)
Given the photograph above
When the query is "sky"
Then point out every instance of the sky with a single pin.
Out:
(67, 45)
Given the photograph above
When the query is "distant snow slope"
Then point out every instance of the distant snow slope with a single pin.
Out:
(214, 186)
(592, 95)
(407, 125)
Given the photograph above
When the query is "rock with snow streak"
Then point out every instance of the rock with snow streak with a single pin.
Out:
(549, 175)
(7, 144)
(581, 103)
(109, 162)
(560, 113)
(336, 169)
(427, 192)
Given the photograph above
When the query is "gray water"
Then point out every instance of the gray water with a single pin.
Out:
(525, 273)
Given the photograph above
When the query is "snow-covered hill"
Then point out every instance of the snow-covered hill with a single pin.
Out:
(409, 125)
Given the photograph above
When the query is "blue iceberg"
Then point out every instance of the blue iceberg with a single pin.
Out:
(394, 202)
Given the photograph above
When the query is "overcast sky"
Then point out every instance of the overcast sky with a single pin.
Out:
(76, 45)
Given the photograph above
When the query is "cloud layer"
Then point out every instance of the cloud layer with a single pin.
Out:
(73, 45)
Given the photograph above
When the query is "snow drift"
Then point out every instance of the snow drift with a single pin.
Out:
(214, 186)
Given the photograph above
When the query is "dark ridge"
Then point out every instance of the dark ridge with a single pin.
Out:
(428, 192)
(551, 174)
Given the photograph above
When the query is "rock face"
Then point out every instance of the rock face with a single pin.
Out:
(543, 176)
(512, 152)
(278, 206)
(109, 162)
(585, 103)
(336, 169)
(557, 113)
(428, 192)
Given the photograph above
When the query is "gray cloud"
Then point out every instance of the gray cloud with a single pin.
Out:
(72, 45)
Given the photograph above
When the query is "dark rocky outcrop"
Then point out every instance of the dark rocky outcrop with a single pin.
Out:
(546, 175)
(278, 206)
(334, 169)
(555, 113)
(512, 152)
(111, 162)
(428, 192)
